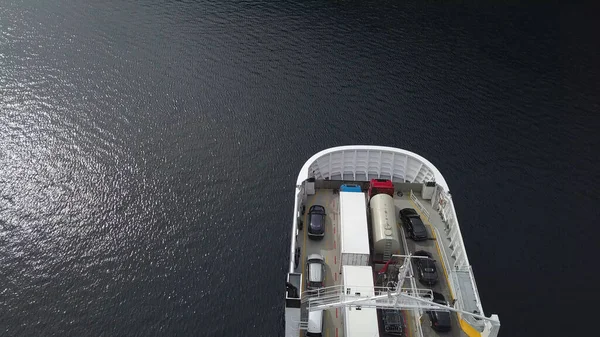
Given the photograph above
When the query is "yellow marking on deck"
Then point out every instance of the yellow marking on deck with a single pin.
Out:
(436, 245)
(408, 325)
(464, 325)
(468, 329)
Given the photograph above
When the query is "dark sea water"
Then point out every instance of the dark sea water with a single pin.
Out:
(149, 151)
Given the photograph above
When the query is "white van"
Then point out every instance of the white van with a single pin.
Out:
(315, 324)
(315, 271)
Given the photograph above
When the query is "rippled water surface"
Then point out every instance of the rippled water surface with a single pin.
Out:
(149, 150)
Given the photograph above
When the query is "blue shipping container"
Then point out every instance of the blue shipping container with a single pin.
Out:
(350, 188)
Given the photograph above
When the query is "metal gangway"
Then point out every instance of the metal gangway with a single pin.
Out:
(392, 296)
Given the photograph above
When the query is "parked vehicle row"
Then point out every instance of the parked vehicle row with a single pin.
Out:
(315, 267)
(426, 269)
(315, 263)
(427, 275)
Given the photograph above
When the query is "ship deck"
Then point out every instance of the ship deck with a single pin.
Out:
(329, 248)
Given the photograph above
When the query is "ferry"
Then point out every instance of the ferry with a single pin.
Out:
(376, 250)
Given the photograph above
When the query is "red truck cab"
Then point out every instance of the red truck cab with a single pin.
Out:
(378, 186)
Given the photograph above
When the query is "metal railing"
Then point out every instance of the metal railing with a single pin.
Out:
(381, 298)
(445, 206)
(371, 297)
(302, 325)
(425, 212)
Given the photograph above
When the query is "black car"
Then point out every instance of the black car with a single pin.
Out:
(316, 222)
(393, 322)
(426, 270)
(440, 319)
(413, 224)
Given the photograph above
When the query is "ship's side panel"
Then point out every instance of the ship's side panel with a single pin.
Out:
(292, 322)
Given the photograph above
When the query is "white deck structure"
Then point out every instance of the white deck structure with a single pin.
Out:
(357, 321)
(424, 190)
(354, 241)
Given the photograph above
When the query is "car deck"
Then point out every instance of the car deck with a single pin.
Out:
(329, 247)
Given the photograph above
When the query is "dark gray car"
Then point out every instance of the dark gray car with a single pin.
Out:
(413, 225)
(440, 319)
(426, 269)
(316, 222)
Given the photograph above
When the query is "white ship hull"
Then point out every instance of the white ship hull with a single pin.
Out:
(420, 186)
